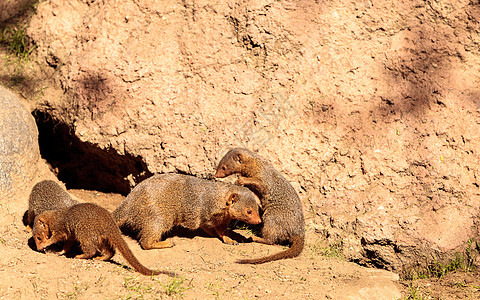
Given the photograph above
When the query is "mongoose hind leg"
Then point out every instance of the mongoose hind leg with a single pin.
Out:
(148, 245)
(85, 255)
(149, 241)
(107, 252)
(150, 238)
(89, 250)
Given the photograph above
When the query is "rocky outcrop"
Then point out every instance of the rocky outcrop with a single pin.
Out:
(369, 108)
(19, 152)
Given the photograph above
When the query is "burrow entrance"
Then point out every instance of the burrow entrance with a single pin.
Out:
(82, 165)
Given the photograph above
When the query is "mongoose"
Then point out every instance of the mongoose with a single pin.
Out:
(282, 217)
(163, 201)
(47, 195)
(92, 226)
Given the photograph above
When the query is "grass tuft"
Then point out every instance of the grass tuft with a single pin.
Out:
(17, 43)
(464, 261)
(334, 249)
(175, 287)
(415, 294)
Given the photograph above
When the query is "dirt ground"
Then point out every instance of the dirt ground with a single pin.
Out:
(206, 268)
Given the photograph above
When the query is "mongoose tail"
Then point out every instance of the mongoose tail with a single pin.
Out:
(119, 243)
(294, 250)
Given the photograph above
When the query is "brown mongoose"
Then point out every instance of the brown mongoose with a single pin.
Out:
(282, 217)
(47, 195)
(92, 226)
(163, 201)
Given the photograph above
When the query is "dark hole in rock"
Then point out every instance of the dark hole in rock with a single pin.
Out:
(83, 165)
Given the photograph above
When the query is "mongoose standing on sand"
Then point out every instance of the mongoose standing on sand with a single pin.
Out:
(47, 195)
(161, 202)
(92, 226)
(282, 211)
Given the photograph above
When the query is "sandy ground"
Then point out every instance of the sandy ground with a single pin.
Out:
(206, 268)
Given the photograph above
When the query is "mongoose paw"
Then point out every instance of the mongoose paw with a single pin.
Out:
(159, 245)
(240, 181)
(83, 256)
(229, 241)
(103, 257)
(60, 253)
(55, 250)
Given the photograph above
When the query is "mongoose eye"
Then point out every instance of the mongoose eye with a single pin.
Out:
(38, 238)
(224, 168)
(249, 212)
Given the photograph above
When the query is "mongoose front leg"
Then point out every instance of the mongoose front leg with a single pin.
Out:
(252, 183)
(223, 233)
(67, 245)
(228, 240)
(220, 231)
(209, 231)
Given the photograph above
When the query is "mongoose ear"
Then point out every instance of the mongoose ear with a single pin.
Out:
(232, 199)
(45, 227)
(259, 203)
(49, 233)
(239, 158)
(42, 222)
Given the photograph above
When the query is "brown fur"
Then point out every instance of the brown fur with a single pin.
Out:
(92, 226)
(282, 217)
(47, 195)
(161, 202)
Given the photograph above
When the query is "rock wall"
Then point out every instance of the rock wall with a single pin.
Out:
(370, 108)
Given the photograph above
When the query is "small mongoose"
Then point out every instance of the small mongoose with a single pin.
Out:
(47, 195)
(282, 217)
(92, 226)
(163, 201)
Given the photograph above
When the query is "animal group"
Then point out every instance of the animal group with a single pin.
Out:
(261, 195)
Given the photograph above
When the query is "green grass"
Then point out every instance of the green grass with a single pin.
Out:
(414, 293)
(334, 249)
(464, 261)
(78, 290)
(139, 288)
(214, 288)
(175, 287)
(248, 228)
(17, 43)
